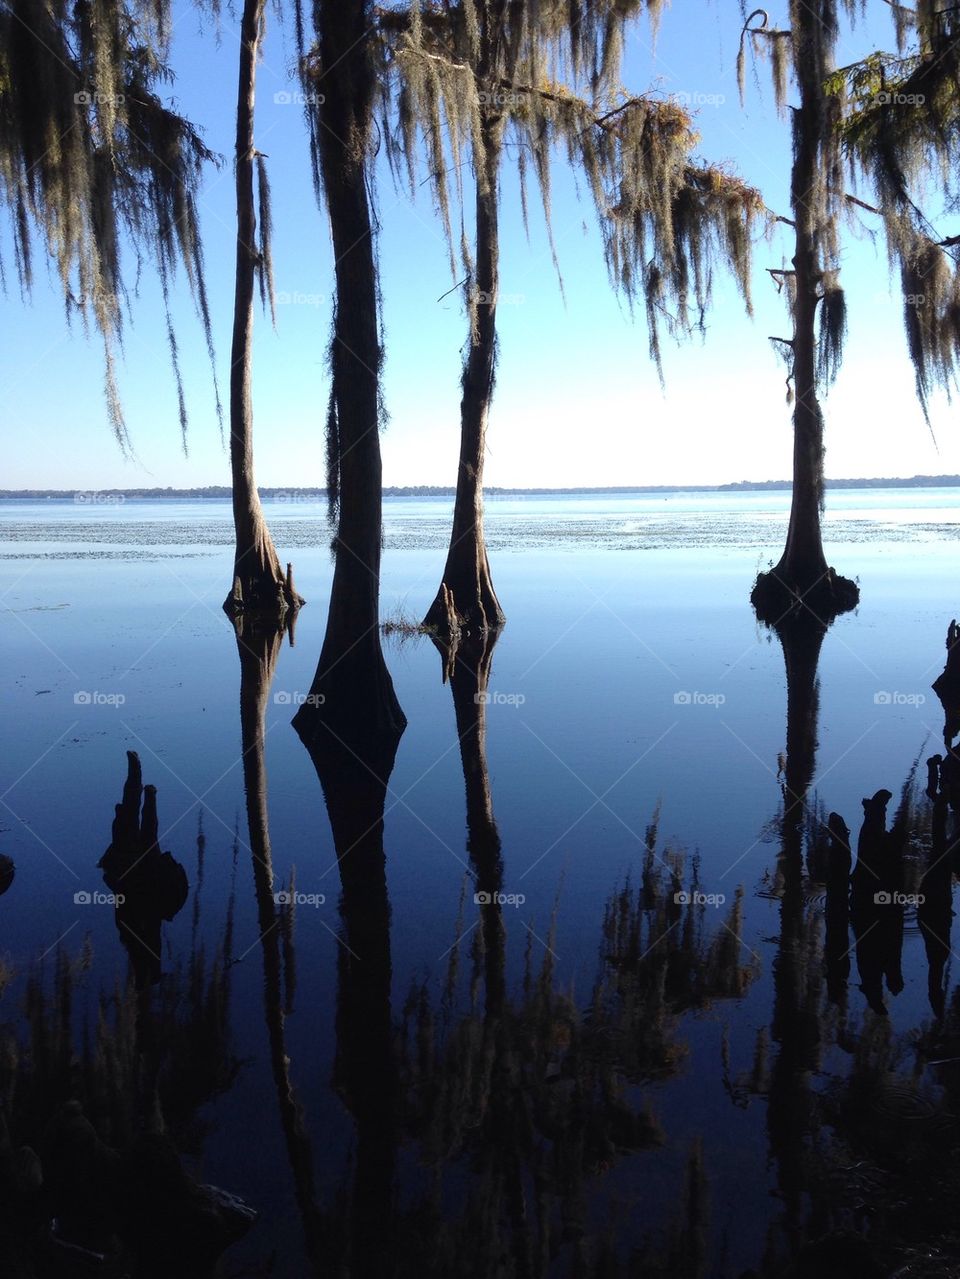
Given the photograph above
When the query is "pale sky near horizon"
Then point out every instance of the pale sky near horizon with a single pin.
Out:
(577, 401)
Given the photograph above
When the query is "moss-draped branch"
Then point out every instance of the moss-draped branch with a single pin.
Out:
(92, 160)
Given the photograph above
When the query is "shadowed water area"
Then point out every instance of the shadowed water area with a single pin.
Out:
(632, 957)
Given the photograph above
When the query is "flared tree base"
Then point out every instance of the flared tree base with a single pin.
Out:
(265, 599)
(351, 706)
(778, 594)
(465, 611)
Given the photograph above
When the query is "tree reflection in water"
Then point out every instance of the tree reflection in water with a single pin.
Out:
(95, 1115)
(506, 1126)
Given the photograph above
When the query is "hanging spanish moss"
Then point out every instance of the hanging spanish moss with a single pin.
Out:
(667, 221)
(899, 127)
(333, 436)
(831, 334)
(804, 51)
(268, 297)
(463, 85)
(92, 161)
(352, 696)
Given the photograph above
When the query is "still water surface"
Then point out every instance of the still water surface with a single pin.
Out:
(631, 680)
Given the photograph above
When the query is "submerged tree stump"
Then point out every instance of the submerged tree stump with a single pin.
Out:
(947, 686)
(150, 886)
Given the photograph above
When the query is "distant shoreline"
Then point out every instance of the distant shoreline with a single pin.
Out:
(219, 492)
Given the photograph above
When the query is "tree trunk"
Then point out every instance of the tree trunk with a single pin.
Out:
(260, 587)
(466, 576)
(352, 692)
(803, 562)
(802, 572)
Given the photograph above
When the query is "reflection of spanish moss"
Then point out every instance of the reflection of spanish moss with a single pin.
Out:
(548, 1105)
(867, 1161)
(198, 880)
(258, 650)
(92, 1124)
(658, 962)
(837, 935)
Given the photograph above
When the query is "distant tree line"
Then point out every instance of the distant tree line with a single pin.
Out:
(222, 492)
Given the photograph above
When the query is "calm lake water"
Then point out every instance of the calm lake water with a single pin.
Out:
(670, 1082)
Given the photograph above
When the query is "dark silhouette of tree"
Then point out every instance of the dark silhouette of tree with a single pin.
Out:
(466, 667)
(487, 80)
(260, 586)
(352, 694)
(801, 636)
(150, 886)
(258, 658)
(97, 1111)
(365, 1071)
(812, 287)
(947, 688)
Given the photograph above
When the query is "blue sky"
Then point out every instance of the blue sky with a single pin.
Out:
(577, 402)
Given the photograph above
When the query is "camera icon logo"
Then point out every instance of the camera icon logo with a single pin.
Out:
(882, 898)
(482, 899)
(82, 898)
(682, 899)
(283, 898)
